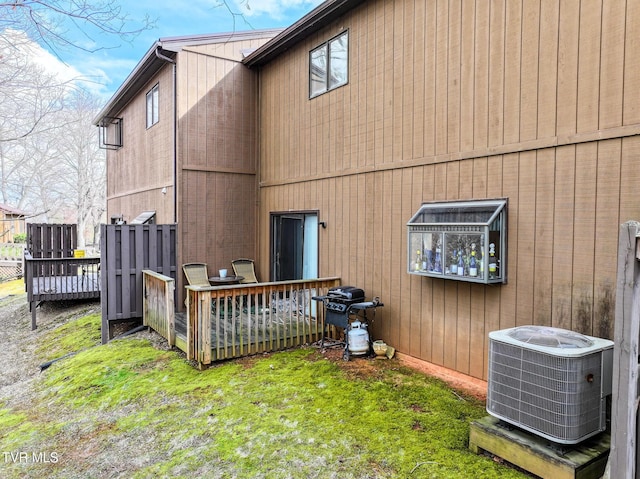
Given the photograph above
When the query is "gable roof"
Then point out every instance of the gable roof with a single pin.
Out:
(11, 210)
(163, 50)
(318, 18)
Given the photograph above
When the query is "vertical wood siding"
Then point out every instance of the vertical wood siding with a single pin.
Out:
(139, 170)
(534, 101)
(215, 165)
(217, 155)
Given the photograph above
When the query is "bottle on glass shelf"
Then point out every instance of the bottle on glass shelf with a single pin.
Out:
(473, 264)
(460, 264)
(453, 268)
(418, 263)
(493, 262)
(437, 266)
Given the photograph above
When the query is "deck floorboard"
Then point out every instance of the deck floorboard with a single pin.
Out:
(63, 287)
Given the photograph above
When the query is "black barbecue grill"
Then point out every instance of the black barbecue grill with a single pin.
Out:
(342, 305)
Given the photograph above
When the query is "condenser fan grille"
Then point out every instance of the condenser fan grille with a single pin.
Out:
(554, 395)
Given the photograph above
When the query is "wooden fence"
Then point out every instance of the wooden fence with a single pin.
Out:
(626, 365)
(11, 255)
(45, 240)
(127, 250)
(158, 310)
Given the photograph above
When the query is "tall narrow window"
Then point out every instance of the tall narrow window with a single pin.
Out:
(329, 65)
(152, 106)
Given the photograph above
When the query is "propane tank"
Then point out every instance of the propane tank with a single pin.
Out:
(358, 337)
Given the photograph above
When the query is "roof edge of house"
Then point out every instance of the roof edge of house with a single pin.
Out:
(318, 18)
(12, 210)
(149, 64)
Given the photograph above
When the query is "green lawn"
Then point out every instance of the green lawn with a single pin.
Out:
(129, 409)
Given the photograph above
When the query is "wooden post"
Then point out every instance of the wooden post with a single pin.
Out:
(624, 441)
(170, 308)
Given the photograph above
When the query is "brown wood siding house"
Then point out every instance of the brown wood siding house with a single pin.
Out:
(12, 222)
(203, 139)
(534, 101)
(537, 102)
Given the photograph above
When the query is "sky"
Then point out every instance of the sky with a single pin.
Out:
(108, 67)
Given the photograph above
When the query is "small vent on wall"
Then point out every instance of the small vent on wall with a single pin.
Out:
(145, 218)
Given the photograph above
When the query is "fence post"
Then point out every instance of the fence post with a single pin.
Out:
(624, 446)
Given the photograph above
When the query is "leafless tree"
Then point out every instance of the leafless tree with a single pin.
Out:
(30, 100)
(84, 182)
(50, 162)
(28, 94)
(57, 24)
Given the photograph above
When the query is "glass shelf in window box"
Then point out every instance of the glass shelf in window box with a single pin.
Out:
(459, 240)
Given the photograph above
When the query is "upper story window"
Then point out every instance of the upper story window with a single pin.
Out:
(329, 65)
(152, 106)
(110, 133)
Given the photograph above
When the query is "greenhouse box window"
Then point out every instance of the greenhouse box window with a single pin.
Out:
(459, 240)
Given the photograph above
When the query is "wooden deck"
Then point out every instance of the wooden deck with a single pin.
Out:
(60, 279)
(233, 321)
(53, 288)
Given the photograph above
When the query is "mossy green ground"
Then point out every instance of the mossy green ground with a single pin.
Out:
(128, 409)
(11, 287)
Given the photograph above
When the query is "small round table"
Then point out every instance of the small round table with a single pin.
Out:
(218, 281)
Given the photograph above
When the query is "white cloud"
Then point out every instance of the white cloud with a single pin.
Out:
(39, 56)
(275, 8)
(93, 72)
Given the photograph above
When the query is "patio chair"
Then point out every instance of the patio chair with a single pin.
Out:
(196, 274)
(246, 268)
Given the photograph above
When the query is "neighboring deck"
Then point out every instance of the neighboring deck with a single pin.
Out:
(232, 321)
(11, 259)
(51, 288)
(59, 279)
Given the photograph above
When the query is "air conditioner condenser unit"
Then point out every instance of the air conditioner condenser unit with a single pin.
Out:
(550, 381)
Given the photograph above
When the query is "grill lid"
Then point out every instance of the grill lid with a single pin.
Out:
(345, 293)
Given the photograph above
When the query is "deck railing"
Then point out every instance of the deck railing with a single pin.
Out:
(57, 279)
(158, 310)
(12, 251)
(239, 320)
(11, 261)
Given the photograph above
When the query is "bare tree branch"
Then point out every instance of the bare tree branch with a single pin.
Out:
(235, 15)
(56, 23)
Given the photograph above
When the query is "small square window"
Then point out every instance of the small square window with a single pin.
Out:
(152, 107)
(110, 133)
(329, 65)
